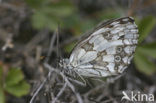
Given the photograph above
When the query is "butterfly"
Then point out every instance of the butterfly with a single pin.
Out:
(107, 51)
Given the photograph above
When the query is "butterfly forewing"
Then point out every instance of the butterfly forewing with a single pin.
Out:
(106, 51)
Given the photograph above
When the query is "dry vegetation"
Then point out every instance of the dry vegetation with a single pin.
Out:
(26, 42)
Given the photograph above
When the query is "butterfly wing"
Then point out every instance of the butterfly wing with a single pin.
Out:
(106, 51)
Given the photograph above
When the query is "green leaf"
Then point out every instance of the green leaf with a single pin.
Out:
(1, 73)
(61, 11)
(20, 89)
(71, 20)
(68, 48)
(49, 14)
(2, 96)
(37, 3)
(148, 49)
(14, 76)
(15, 83)
(145, 27)
(40, 21)
(108, 14)
(143, 64)
(86, 25)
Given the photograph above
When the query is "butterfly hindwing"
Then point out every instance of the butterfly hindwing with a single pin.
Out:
(108, 50)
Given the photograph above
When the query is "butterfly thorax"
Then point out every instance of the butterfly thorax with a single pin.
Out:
(68, 68)
(64, 63)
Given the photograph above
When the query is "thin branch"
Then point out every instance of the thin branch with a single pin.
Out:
(77, 82)
(51, 46)
(60, 93)
(79, 99)
(40, 87)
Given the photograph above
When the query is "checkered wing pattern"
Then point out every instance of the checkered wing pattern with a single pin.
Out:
(107, 51)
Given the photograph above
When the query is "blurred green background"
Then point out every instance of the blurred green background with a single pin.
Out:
(24, 26)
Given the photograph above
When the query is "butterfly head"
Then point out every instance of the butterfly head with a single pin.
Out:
(64, 63)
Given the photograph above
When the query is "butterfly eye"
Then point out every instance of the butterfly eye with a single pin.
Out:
(117, 58)
(119, 49)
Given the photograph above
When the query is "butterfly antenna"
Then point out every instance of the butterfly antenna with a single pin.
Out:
(51, 47)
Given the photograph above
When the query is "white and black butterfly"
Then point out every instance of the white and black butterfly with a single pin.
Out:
(107, 51)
